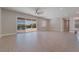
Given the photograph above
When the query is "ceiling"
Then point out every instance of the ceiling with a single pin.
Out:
(49, 12)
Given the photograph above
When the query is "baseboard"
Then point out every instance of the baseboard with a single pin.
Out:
(7, 34)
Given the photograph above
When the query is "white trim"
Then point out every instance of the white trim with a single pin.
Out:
(0, 23)
(8, 34)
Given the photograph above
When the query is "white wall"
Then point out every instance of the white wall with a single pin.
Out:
(8, 22)
(42, 24)
(0, 22)
(72, 24)
(56, 24)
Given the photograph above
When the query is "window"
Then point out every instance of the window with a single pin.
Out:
(76, 23)
(26, 25)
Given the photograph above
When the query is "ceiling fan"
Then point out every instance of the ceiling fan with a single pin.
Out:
(38, 11)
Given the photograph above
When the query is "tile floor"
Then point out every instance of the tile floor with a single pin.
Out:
(40, 42)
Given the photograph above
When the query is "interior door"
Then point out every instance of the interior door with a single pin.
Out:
(66, 25)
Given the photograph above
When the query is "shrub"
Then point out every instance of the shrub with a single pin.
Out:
(33, 25)
(28, 26)
(21, 26)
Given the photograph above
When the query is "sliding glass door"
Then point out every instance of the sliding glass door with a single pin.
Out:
(26, 25)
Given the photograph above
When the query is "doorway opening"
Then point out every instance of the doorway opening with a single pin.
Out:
(26, 25)
(66, 25)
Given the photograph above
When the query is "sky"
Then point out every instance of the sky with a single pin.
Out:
(23, 22)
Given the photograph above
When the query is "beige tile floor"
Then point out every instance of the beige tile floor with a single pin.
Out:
(28, 30)
(40, 42)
